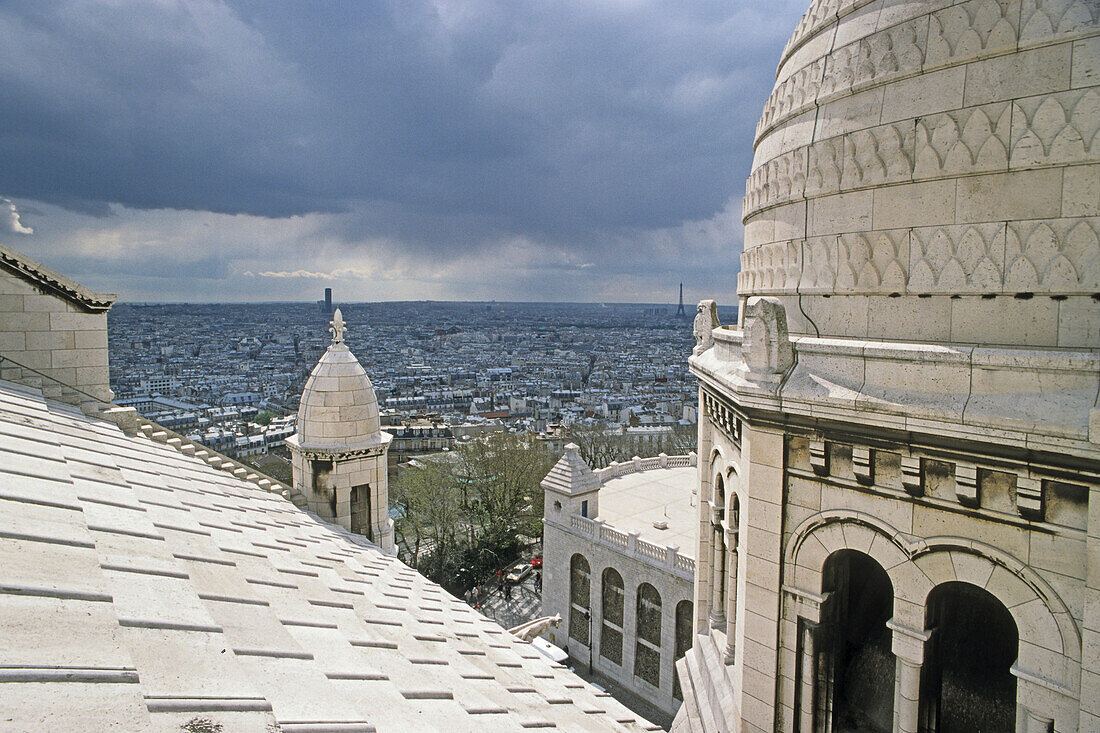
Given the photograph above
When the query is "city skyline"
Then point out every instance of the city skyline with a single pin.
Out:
(224, 152)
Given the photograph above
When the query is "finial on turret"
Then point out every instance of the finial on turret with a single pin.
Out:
(338, 328)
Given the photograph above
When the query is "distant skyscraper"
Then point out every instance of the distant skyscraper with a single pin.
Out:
(680, 308)
(325, 306)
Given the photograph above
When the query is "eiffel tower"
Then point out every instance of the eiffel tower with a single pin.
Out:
(680, 308)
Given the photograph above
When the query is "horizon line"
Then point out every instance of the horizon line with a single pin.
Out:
(380, 302)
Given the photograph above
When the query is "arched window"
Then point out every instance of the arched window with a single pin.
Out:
(718, 566)
(857, 681)
(647, 649)
(580, 603)
(611, 607)
(684, 611)
(966, 678)
(733, 519)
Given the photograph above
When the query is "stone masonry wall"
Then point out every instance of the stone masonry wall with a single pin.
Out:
(559, 546)
(49, 334)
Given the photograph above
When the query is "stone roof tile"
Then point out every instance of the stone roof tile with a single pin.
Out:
(192, 592)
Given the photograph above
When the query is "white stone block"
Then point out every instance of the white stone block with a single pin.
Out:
(926, 94)
(911, 479)
(819, 457)
(914, 204)
(1034, 194)
(1085, 71)
(966, 484)
(846, 212)
(1022, 74)
(1081, 191)
(851, 113)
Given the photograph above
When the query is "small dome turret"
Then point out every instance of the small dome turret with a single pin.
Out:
(339, 410)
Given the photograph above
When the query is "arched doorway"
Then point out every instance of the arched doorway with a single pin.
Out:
(966, 682)
(856, 687)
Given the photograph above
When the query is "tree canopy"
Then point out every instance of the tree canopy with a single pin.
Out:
(468, 512)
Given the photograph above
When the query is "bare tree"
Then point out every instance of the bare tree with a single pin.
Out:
(502, 472)
(599, 443)
(431, 514)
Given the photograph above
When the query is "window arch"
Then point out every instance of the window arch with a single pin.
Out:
(647, 648)
(684, 612)
(718, 566)
(580, 595)
(967, 682)
(611, 610)
(856, 680)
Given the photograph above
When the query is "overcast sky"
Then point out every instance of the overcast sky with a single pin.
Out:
(450, 150)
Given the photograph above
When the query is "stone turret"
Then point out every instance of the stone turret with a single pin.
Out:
(338, 455)
(571, 487)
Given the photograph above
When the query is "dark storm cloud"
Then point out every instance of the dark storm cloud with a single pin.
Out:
(423, 120)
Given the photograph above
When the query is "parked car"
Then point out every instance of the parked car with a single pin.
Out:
(536, 562)
(518, 572)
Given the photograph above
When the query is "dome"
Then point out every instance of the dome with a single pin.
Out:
(339, 410)
(928, 171)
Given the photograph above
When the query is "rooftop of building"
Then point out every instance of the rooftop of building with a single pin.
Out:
(141, 588)
(636, 501)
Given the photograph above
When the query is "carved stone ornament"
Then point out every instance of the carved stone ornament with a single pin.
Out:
(706, 320)
(338, 329)
(335, 454)
(766, 345)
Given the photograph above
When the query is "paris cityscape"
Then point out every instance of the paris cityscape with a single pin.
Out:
(494, 366)
(441, 370)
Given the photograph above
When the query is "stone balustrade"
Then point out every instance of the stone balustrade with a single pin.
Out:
(667, 557)
(637, 465)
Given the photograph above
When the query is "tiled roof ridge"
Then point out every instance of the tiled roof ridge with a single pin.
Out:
(46, 279)
(214, 459)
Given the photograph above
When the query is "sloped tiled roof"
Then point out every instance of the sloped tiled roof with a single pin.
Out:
(52, 282)
(141, 589)
(571, 475)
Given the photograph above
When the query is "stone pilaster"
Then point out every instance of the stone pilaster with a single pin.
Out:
(908, 646)
(731, 592)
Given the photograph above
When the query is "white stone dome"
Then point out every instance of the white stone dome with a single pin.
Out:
(339, 410)
(928, 171)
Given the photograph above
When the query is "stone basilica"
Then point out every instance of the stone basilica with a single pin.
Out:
(899, 440)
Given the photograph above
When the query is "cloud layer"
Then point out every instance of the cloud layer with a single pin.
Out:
(466, 148)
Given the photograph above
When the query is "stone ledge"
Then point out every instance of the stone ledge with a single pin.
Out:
(1024, 397)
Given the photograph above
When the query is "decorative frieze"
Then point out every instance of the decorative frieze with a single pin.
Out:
(1052, 256)
(1036, 256)
(938, 478)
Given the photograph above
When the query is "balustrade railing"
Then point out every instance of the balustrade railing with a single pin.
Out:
(631, 544)
(583, 524)
(613, 536)
(650, 550)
